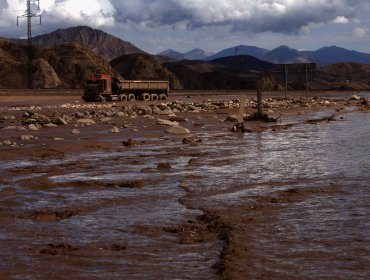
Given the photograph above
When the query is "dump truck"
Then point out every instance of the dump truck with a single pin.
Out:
(104, 87)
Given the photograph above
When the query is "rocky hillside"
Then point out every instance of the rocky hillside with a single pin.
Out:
(352, 75)
(144, 67)
(108, 46)
(245, 62)
(63, 66)
(66, 66)
(195, 74)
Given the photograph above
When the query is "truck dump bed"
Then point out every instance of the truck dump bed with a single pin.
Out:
(150, 86)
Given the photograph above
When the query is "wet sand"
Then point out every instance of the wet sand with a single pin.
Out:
(138, 203)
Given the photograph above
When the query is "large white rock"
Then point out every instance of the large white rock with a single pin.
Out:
(166, 122)
(75, 131)
(33, 127)
(176, 129)
(115, 130)
(86, 121)
(26, 137)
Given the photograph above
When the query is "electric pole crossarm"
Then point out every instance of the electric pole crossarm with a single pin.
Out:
(29, 15)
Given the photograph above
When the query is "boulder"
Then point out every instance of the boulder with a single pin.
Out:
(106, 119)
(32, 127)
(232, 118)
(130, 143)
(86, 121)
(164, 166)
(26, 137)
(50, 125)
(115, 130)
(191, 140)
(176, 129)
(60, 121)
(355, 97)
(166, 122)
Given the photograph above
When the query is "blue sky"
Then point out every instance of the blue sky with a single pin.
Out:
(212, 25)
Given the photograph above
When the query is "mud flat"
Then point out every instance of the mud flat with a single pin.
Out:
(165, 190)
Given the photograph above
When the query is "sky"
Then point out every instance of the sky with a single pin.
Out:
(212, 25)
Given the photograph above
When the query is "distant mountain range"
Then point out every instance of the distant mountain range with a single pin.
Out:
(110, 47)
(282, 55)
(195, 54)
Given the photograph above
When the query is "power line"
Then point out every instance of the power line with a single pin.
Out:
(29, 15)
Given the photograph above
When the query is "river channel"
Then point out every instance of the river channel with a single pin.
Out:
(294, 204)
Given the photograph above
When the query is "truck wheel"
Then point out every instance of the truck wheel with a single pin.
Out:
(162, 96)
(145, 96)
(154, 97)
(130, 97)
(123, 97)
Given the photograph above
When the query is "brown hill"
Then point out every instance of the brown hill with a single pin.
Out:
(13, 65)
(195, 74)
(52, 67)
(350, 75)
(108, 46)
(144, 67)
(245, 62)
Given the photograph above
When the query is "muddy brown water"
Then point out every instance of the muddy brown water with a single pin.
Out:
(284, 204)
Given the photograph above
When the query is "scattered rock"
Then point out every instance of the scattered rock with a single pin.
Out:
(164, 166)
(239, 127)
(176, 129)
(58, 249)
(32, 127)
(177, 119)
(120, 114)
(115, 130)
(355, 97)
(164, 111)
(166, 122)
(106, 120)
(26, 137)
(191, 140)
(365, 102)
(86, 121)
(61, 121)
(231, 118)
(50, 125)
(75, 131)
(130, 143)
(129, 184)
(11, 127)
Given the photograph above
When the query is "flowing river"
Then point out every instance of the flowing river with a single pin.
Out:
(294, 202)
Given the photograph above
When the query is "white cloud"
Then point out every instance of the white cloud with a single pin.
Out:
(92, 12)
(203, 23)
(341, 20)
(282, 16)
(360, 32)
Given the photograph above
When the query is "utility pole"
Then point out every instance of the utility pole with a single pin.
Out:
(29, 15)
